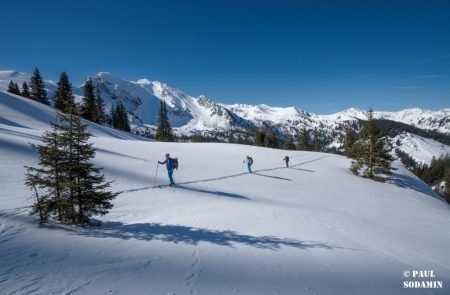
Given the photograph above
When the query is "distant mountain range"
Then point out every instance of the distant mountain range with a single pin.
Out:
(428, 136)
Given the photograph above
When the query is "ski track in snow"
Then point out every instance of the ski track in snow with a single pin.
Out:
(231, 176)
(195, 266)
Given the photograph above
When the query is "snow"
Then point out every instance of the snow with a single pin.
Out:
(421, 149)
(311, 229)
(417, 117)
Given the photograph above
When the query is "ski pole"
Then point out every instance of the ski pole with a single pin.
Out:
(156, 174)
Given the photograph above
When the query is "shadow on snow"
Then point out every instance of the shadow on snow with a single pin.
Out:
(218, 193)
(271, 176)
(193, 236)
(406, 181)
(233, 175)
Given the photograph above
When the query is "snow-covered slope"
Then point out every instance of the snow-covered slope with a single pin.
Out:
(221, 230)
(19, 78)
(422, 150)
(18, 114)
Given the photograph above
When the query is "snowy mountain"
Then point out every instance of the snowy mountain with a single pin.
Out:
(420, 118)
(202, 115)
(19, 78)
(422, 150)
(221, 230)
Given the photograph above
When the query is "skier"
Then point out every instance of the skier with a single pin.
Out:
(286, 159)
(249, 162)
(170, 165)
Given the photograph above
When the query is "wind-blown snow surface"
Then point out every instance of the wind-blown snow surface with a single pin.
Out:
(310, 229)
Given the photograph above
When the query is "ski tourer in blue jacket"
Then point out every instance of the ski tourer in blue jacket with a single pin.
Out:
(170, 165)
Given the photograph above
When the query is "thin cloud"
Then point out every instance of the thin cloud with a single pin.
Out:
(427, 77)
(407, 87)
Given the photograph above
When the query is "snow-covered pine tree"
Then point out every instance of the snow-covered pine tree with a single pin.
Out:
(164, 130)
(37, 88)
(89, 109)
(64, 100)
(25, 90)
(372, 156)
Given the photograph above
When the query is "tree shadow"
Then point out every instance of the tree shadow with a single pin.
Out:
(218, 193)
(307, 170)
(121, 155)
(192, 236)
(271, 176)
(407, 181)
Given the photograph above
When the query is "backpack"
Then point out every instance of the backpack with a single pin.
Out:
(175, 163)
(250, 161)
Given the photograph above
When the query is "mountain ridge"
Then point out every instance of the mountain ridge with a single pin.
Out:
(204, 116)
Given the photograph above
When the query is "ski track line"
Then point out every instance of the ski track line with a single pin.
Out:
(222, 177)
(195, 266)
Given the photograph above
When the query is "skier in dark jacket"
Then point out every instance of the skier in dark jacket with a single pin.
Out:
(170, 165)
(249, 163)
(286, 159)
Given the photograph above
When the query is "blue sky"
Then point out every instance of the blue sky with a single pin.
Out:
(322, 56)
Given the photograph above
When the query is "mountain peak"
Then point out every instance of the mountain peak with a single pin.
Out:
(144, 81)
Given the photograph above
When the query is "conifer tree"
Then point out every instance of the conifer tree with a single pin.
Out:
(66, 185)
(100, 104)
(240, 139)
(447, 185)
(47, 179)
(304, 140)
(231, 138)
(349, 142)
(289, 144)
(13, 88)
(16, 89)
(112, 115)
(37, 88)
(259, 138)
(163, 131)
(87, 189)
(372, 156)
(271, 140)
(120, 118)
(89, 109)
(115, 117)
(64, 100)
(316, 140)
(25, 90)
